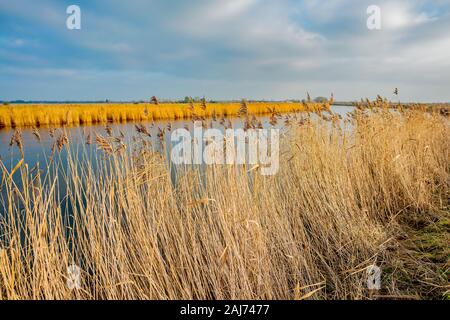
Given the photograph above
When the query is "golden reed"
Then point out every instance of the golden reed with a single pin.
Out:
(22, 115)
(337, 206)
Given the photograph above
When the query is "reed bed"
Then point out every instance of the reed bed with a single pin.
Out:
(309, 232)
(76, 114)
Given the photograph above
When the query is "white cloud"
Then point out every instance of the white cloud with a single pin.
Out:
(403, 14)
(263, 29)
(224, 10)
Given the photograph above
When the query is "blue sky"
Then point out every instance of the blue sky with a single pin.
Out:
(224, 49)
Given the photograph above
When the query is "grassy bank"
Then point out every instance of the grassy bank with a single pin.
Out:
(340, 203)
(75, 114)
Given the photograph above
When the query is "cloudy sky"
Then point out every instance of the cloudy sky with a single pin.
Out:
(224, 49)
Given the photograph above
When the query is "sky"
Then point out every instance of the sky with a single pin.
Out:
(224, 49)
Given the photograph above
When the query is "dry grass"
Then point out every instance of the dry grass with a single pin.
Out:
(308, 232)
(73, 114)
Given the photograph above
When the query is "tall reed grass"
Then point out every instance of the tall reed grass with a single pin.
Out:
(308, 232)
(75, 114)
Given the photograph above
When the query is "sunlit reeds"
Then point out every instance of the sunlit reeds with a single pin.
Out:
(309, 232)
(75, 114)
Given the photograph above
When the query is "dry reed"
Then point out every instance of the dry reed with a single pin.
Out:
(308, 232)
